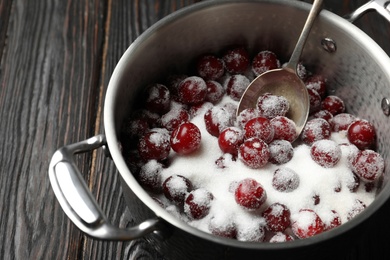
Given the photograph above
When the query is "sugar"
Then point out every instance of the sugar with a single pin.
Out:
(202, 170)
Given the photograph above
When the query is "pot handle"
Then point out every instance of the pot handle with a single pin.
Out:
(77, 201)
(381, 6)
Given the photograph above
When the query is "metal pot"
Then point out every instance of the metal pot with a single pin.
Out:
(357, 68)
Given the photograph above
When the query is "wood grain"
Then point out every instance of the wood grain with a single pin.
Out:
(56, 58)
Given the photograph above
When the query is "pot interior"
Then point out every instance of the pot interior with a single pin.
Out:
(358, 71)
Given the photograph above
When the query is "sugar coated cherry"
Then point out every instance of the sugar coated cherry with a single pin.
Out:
(280, 238)
(307, 223)
(246, 115)
(215, 91)
(285, 180)
(217, 119)
(317, 83)
(157, 98)
(314, 130)
(284, 128)
(223, 225)
(186, 138)
(197, 203)
(341, 122)
(236, 60)
(281, 151)
(253, 231)
(259, 127)
(270, 105)
(154, 145)
(236, 86)
(357, 207)
(174, 117)
(332, 221)
(334, 104)
(150, 177)
(254, 152)
(264, 61)
(368, 165)
(210, 67)
(315, 101)
(326, 153)
(192, 90)
(250, 194)
(277, 217)
(362, 134)
(324, 114)
(230, 139)
(176, 187)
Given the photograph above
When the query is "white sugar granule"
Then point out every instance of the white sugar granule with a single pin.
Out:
(201, 169)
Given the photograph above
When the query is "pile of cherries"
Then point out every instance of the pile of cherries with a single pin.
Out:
(257, 136)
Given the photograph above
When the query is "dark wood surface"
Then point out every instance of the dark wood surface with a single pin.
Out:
(56, 58)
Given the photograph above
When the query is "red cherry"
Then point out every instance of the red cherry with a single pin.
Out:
(250, 194)
(259, 127)
(174, 118)
(368, 165)
(307, 224)
(281, 151)
(341, 122)
(236, 85)
(186, 138)
(210, 67)
(197, 203)
(285, 179)
(176, 187)
(270, 105)
(150, 176)
(157, 98)
(277, 217)
(314, 130)
(254, 152)
(192, 90)
(333, 104)
(264, 61)
(236, 60)
(230, 139)
(317, 83)
(217, 119)
(215, 92)
(284, 128)
(154, 145)
(362, 134)
(326, 153)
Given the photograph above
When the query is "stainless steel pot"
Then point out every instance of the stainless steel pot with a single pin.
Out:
(357, 68)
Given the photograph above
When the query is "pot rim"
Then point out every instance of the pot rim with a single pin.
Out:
(112, 139)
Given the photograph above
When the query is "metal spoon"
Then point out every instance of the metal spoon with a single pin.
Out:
(285, 81)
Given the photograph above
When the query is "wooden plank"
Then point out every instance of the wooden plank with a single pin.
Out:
(49, 78)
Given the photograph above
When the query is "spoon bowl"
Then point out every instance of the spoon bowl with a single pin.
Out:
(281, 82)
(285, 81)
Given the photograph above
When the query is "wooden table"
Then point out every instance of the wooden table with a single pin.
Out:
(56, 58)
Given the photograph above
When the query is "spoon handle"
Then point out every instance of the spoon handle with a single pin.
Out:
(295, 56)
